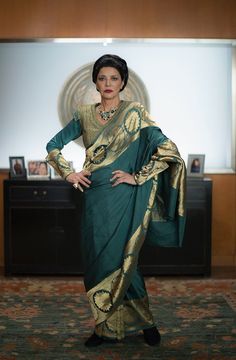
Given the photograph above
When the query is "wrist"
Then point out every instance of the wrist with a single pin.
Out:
(135, 179)
(66, 176)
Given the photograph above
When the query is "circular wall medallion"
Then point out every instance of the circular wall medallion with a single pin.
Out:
(79, 89)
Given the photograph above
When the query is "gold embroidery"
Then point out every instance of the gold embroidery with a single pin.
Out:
(116, 138)
(137, 311)
(58, 162)
(106, 298)
(132, 315)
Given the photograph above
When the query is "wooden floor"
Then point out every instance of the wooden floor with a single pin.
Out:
(221, 272)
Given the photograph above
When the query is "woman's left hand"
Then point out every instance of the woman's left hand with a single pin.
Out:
(120, 177)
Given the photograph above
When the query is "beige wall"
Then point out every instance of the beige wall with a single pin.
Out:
(134, 18)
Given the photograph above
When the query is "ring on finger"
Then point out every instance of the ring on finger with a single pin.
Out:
(78, 186)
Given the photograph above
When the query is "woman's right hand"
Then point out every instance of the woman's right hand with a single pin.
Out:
(79, 178)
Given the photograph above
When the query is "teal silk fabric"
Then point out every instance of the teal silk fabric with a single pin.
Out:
(117, 220)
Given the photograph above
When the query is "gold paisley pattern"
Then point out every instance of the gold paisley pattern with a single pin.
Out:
(59, 163)
(132, 121)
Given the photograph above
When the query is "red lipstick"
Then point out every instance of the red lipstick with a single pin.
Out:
(108, 91)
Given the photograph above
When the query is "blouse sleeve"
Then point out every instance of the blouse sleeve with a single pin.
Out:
(71, 132)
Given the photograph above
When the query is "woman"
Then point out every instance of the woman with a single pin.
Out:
(133, 188)
(42, 169)
(195, 166)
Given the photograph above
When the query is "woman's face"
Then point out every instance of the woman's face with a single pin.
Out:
(109, 82)
(42, 169)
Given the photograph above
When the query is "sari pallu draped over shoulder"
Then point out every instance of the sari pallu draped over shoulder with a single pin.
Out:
(117, 220)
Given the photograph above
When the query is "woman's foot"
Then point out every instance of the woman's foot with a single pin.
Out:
(152, 336)
(93, 340)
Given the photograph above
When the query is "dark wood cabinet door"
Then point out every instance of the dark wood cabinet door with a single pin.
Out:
(42, 231)
(42, 228)
(194, 257)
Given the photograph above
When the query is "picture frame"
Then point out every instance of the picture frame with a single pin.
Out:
(38, 170)
(195, 165)
(17, 167)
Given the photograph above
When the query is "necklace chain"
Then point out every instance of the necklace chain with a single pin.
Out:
(106, 115)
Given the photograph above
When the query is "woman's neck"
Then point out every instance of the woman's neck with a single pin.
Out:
(108, 104)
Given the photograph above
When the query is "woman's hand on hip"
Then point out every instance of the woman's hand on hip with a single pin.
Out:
(120, 177)
(79, 178)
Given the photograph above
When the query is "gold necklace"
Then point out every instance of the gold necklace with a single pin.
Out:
(106, 115)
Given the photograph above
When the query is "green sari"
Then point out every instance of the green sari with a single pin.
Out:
(117, 220)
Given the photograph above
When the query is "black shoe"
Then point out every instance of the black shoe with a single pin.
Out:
(152, 336)
(93, 340)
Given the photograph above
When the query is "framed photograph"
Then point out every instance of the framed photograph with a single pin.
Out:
(195, 167)
(56, 176)
(17, 167)
(38, 169)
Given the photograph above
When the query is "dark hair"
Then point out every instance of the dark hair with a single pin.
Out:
(113, 61)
